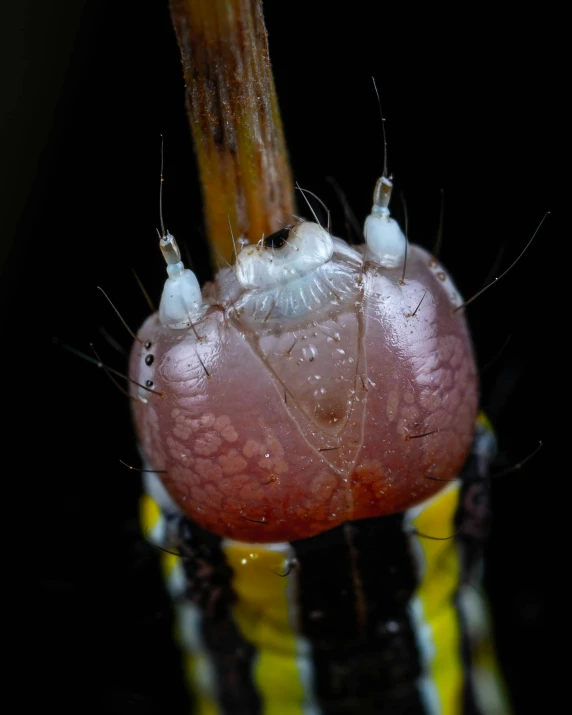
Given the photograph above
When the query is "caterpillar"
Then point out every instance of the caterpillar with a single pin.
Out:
(101, 429)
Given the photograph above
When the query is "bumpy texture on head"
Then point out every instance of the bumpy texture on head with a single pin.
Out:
(330, 396)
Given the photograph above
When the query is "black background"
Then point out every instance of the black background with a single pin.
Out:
(471, 100)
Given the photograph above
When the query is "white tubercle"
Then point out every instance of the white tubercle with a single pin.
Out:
(181, 301)
(384, 238)
(285, 256)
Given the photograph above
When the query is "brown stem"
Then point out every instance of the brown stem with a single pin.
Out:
(234, 116)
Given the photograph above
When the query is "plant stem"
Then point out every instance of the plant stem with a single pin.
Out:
(235, 120)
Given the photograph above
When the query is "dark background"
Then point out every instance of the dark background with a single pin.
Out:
(471, 100)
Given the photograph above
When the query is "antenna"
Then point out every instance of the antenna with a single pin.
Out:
(120, 316)
(232, 236)
(439, 240)
(326, 209)
(402, 197)
(384, 175)
(503, 274)
(163, 232)
(302, 191)
(103, 366)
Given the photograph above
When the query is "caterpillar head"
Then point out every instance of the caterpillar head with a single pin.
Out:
(309, 385)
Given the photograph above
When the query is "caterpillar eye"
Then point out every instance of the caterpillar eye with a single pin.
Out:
(284, 256)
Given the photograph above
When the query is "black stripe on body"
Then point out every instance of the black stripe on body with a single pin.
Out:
(472, 526)
(473, 517)
(355, 584)
(209, 586)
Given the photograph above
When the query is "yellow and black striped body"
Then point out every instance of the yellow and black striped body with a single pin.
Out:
(375, 616)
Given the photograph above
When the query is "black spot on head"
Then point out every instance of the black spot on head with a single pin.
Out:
(278, 239)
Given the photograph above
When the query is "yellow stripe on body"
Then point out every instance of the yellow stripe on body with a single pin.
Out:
(197, 665)
(490, 689)
(262, 613)
(439, 582)
(483, 421)
(202, 704)
(149, 513)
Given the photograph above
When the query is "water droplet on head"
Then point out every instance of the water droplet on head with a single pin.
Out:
(310, 353)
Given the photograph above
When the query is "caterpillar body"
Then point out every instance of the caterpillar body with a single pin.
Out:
(377, 615)
(313, 680)
(359, 413)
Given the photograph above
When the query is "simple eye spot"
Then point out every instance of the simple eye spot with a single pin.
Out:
(146, 372)
(284, 256)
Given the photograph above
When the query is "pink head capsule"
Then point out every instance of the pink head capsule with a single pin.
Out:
(308, 386)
